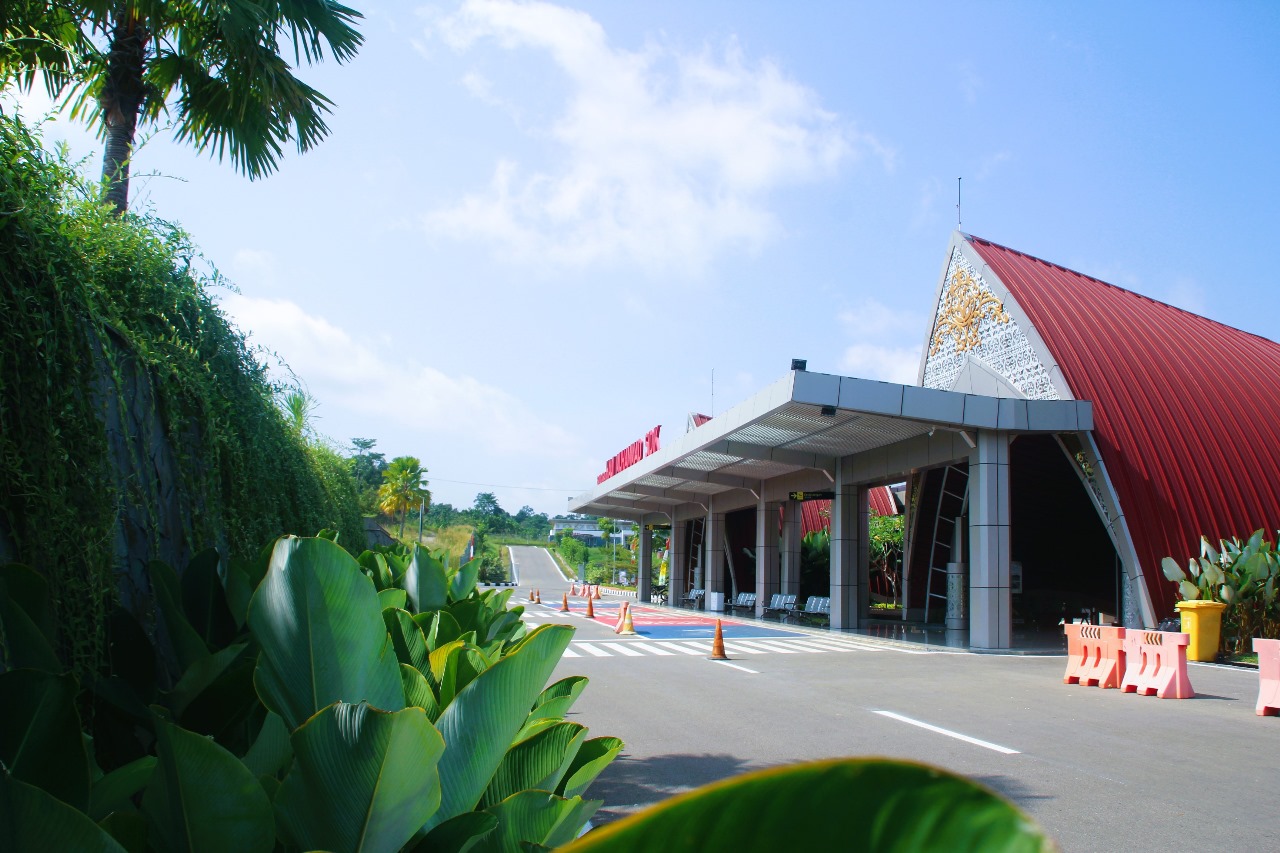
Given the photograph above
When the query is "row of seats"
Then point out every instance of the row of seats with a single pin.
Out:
(816, 608)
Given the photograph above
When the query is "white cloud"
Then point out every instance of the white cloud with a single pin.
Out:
(667, 157)
(877, 351)
(356, 384)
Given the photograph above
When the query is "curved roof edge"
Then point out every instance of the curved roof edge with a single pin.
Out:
(1186, 409)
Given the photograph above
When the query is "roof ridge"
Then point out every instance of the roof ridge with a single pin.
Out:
(975, 239)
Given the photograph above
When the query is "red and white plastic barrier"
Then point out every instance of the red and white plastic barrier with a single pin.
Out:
(1268, 676)
(1156, 664)
(1095, 655)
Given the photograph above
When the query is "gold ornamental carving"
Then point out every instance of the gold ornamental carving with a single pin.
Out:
(964, 306)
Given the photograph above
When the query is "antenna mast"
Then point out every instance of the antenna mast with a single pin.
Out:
(957, 204)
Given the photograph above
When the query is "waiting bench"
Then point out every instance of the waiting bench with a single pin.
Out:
(695, 598)
(816, 609)
(779, 604)
(744, 601)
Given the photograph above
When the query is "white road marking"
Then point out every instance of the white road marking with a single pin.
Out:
(679, 648)
(973, 740)
(652, 649)
(570, 653)
(737, 649)
(590, 649)
(774, 645)
(735, 666)
(625, 649)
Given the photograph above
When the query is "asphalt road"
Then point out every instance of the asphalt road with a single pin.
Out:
(1100, 770)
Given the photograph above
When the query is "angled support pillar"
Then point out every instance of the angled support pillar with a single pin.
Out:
(644, 563)
(713, 550)
(791, 536)
(767, 575)
(850, 559)
(990, 595)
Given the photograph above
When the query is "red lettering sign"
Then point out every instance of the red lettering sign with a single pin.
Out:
(631, 454)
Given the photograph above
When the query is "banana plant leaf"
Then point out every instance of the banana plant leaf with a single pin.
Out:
(456, 835)
(594, 756)
(201, 674)
(540, 762)
(25, 645)
(1172, 571)
(407, 640)
(227, 708)
(479, 723)
(392, 599)
(540, 820)
(470, 615)
(205, 602)
(188, 645)
(129, 829)
(425, 582)
(439, 626)
(443, 671)
(114, 791)
(375, 566)
(463, 582)
(40, 741)
(131, 655)
(880, 804)
(558, 698)
(202, 798)
(270, 750)
(30, 591)
(418, 693)
(317, 620)
(33, 819)
(363, 779)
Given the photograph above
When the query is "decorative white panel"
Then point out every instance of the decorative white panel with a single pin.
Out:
(972, 320)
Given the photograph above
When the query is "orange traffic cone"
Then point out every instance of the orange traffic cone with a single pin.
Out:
(591, 611)
(622, 611)
(628, 629)
(537, 597)
(597, 591)
(717, 644)
(564, 605)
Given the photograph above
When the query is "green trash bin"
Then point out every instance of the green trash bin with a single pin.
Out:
(1203, 621)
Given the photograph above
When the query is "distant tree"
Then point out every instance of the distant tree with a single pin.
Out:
(486, 504)
(299, 412)
(608, 527)
(404, 487)
(218, 68)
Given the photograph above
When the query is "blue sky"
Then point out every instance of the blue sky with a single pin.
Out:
(536, 229)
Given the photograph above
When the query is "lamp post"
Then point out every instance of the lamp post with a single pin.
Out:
(422, 511)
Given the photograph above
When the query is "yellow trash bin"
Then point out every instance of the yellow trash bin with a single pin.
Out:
(1203, 621)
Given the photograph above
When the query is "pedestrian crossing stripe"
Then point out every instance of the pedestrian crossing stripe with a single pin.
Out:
(702, 648)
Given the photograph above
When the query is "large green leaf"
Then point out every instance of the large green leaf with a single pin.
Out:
(418, 693)
(114, 791)
(202, 797)
(443, 672)
(33, 819)
(539, 761)
(1172, 571)
(463, 581)
(22, 643)
(541, 819)
(375, 566)
(425, 582)
(843, 804)
(407, 639)
(205, 602)
(558, 698)
(40, 738)
(317, 619)
(188, 645)
(439, 626)
(456, 835)
(224, 705)
(594, 756)
(392, 598)
(30, 591)
(271, 749)
(363, 779)
(480, 722)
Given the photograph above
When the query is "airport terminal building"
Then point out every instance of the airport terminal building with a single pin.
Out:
(1064, 435)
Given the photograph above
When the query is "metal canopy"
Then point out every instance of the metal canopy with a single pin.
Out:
(810, 421)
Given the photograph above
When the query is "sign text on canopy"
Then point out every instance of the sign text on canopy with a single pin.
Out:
(632, 454)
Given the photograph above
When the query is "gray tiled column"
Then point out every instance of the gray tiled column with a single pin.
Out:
(644, 563)
(767, 581)
(990, 598)
(678, 567)
(791, 535)
(850, 559)
(713, 549)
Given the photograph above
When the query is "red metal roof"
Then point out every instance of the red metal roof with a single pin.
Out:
(1186, 410)
(816, 515)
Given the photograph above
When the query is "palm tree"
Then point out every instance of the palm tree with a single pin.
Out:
(404, 485)
(217, 67)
